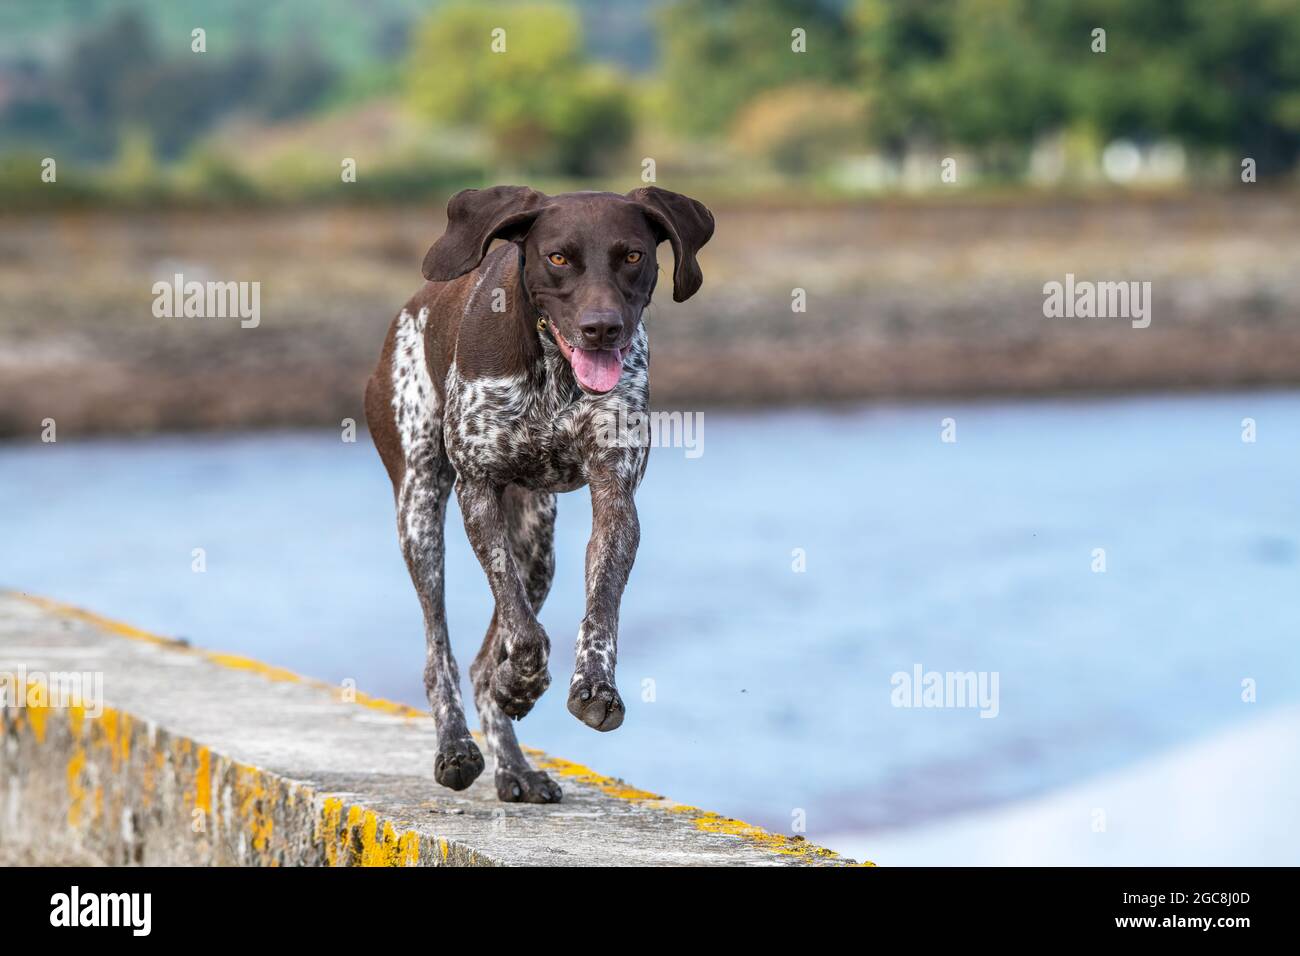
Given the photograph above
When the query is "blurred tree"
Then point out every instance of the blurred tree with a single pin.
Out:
(999, 88)
(179, 99)
(94, 79)
(800, 129)
(113, 83)
(29, 109)
(542, 105)
(994, 74)
(968, 73)
(175, 100)
(718, 54)
(900, 44)
(593, 122)
(295, 82)
(987, 76)
(1214, 75)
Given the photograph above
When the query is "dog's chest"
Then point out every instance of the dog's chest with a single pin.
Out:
(538, 430)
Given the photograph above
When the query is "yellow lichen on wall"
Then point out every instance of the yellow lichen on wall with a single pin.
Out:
(378, 841)
(385, 706)
(115, 726)
(408, 846)
(328, 826)
(256, 806)
(203, 782)
(585, 775)
(232, 661)
(710, 822)
(107, 624)
(37, 707)
(240, 663)
(703, 820)
(76, 789)
(363, 838)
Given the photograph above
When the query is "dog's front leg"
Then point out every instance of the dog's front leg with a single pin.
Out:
(520, 677)
(615, 534)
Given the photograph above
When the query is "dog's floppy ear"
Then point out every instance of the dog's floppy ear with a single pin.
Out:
(686, 224)
(474, 218)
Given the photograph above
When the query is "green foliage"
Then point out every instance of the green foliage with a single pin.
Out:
(995, 85)
(542, 105)
(717, 55)
(593, 122)
(1213, 74)
(115, 77)
(136, 172)
(21, 184)
(900, 46)
(112, 88)
(984, 73)
(207, 174)
(350, 34)
(994, 75)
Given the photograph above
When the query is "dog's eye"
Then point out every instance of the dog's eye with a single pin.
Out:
(557, 259)
(634, 257)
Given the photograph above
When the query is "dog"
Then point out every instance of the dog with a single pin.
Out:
(500, 378)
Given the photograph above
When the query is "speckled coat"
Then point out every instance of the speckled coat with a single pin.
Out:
(476, 391)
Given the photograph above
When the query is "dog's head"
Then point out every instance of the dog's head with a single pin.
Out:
(589, 260)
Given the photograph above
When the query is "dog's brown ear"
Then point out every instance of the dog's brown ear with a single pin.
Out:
(474, 218)
(686, 224)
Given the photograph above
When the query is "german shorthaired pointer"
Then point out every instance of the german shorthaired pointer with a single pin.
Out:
(505, 376)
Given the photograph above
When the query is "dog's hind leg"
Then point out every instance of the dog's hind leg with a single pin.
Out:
(530, 519)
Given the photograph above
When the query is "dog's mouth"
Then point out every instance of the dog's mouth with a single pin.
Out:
(597, 370)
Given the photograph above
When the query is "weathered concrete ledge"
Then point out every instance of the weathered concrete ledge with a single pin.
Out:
(193, 757)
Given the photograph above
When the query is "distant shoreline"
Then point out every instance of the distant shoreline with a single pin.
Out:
(904, 300)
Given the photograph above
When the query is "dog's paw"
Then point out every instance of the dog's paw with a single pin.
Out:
(517, 685)
(526, 786)
(458, 763)
(596, 704)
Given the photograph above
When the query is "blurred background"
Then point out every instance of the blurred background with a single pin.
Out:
(894, 181)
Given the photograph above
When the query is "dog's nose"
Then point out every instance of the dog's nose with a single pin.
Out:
(601, 328)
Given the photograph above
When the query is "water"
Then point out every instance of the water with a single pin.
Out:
(754, 689)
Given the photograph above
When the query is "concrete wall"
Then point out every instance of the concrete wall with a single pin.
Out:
(182, 756)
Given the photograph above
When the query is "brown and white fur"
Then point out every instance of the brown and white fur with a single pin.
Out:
(500, 378)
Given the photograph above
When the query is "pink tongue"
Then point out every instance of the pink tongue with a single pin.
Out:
(597, 369)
